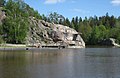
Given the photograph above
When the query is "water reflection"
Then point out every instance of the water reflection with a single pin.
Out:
(12, 65)
(102, 63)
(64, 63)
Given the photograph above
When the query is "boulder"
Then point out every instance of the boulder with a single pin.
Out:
(109, 42)
(57, 36)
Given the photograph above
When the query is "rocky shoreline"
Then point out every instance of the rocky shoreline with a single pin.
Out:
(11, 47)
(109, 42)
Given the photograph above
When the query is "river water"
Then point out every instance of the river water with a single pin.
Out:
(64, 63)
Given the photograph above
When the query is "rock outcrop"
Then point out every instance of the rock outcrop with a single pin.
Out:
(50, 34)
(2, 15)
(42, 33)
(109, 42)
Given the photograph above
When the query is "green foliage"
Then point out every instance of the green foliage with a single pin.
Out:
(1, 29)
(55, 18)
(2, 3)
(45, 18)
(15, 25)
(84, 30)
(72, 25)
(98, 33)
(66, 22)
(96, 28)
(115, 33)
(93, 29)
(1, 40)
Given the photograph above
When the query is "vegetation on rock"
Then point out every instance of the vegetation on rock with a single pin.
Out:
(15, 26)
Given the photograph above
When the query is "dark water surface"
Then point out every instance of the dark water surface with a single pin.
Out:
(64, 63)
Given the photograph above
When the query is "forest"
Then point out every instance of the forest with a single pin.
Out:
(93, 29)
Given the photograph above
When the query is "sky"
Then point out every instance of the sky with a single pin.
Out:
(72, 8)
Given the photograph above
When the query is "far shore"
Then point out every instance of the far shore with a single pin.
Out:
(15, 47)
(10, 47)
(33, 47)
(18, 48)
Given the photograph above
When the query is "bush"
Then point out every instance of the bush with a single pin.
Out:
(1, 40)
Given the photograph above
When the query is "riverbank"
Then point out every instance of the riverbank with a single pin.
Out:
(13, 47)
(34, 47)
(9, 47)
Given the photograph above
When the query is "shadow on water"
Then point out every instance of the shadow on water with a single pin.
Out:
(98, 46)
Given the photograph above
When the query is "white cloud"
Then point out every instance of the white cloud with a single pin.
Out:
(115, 2)
(73, 1)
(53, 1)
(80, 11)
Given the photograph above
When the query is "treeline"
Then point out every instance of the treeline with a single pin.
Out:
(14, 27)
(93, 29)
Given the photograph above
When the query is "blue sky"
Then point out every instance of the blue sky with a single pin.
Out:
(72, 8)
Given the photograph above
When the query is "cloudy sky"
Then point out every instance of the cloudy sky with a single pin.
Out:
(82, 8)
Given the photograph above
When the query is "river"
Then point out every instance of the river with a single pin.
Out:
(63, 63)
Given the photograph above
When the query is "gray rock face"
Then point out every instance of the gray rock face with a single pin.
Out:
(2, 15)
(44, 33)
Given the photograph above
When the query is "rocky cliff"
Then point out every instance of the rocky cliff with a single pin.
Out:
(43, 33)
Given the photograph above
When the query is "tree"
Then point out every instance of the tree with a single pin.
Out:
(44, 18)
(67, 22)
(85, 32)
(72, 25)
(116, 33)
(103, 32)
(112, 21)
(55, 18)
(16, 24)
(94, 37)
(76, 23)
(2, 2)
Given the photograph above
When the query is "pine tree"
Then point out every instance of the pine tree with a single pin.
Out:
(67, 22)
